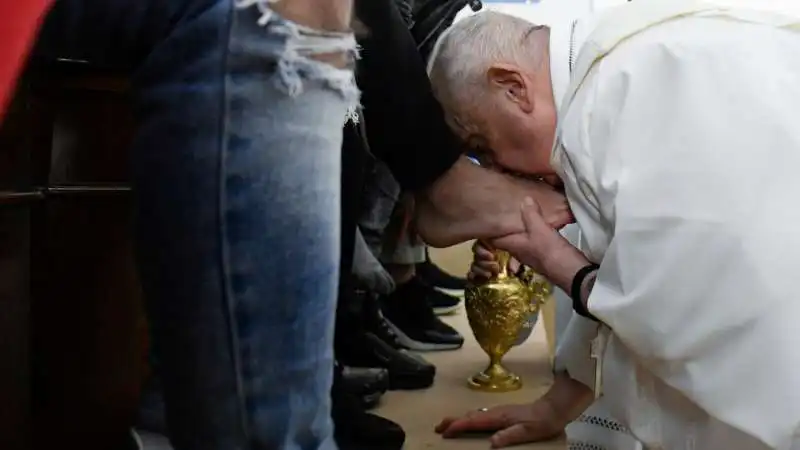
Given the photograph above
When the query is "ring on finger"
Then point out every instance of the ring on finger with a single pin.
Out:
(483, 409)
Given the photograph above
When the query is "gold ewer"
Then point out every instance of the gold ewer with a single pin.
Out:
(498, 310)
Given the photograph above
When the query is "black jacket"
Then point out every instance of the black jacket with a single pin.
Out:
(404, 123)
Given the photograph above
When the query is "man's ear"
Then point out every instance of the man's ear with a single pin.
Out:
(515, 86)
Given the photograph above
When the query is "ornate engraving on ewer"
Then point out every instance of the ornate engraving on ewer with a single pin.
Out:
(499, 310)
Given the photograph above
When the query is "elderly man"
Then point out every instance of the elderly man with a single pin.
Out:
(677, 148)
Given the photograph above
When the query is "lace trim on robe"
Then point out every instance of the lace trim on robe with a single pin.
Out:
(603, 423)
(585, 446)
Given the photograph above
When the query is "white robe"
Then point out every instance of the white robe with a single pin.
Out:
(680, 149)
(596, 428)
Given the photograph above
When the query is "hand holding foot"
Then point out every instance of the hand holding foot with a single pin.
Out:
(472, 202)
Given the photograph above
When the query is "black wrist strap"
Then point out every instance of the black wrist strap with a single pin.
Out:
(575, 291)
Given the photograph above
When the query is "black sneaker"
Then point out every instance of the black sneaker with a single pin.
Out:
(406, 370)
(442, 303)
(409, 312)
(365, 339)
(356, 429)
(441, 280)
(367, 384)
(365, 431)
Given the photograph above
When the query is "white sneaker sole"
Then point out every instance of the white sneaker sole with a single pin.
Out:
(447, 310)
(151, 441)
(137, 440)
(454, 292)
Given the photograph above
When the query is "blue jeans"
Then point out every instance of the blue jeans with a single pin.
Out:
(236, 172)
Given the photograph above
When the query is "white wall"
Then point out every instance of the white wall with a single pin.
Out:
(547, 11)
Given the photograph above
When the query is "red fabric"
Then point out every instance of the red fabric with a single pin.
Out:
(19, 22)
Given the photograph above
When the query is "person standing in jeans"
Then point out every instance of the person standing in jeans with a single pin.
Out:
(236, 167)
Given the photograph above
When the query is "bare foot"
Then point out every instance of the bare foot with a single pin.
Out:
(471, 202)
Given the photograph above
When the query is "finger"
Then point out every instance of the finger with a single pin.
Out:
(514, 244)
(483, 253)
(487, 266)
(531, 214)
(479, 275)
(521, 433)
(474, 276)
(475, 246)
(444, 424)
(483, 421)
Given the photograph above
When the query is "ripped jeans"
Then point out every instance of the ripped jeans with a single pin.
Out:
(236, 167)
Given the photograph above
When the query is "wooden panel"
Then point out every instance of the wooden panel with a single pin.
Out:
(91, 136)
(15, 176)
(88, 329)
(14, 329)
(15, 141)
(88, 323)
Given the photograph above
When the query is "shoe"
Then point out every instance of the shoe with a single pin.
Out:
(367, 384)
(151, 415)
(438, 278)
(356, 429)
(365, 314)
(359, 348)
(365, 339)
(411, 316)
(443, 304)
(367, 431)
(374, 321)
(134, 441)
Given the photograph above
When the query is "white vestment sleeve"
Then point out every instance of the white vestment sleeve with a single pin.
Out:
(691, 158)
(574, 334)
(574, 349)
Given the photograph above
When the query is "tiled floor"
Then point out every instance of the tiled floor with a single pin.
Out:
(419, 411)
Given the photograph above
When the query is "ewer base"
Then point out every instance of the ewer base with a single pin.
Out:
(495, 378)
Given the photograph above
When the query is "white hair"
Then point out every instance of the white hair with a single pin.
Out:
(464, 52)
